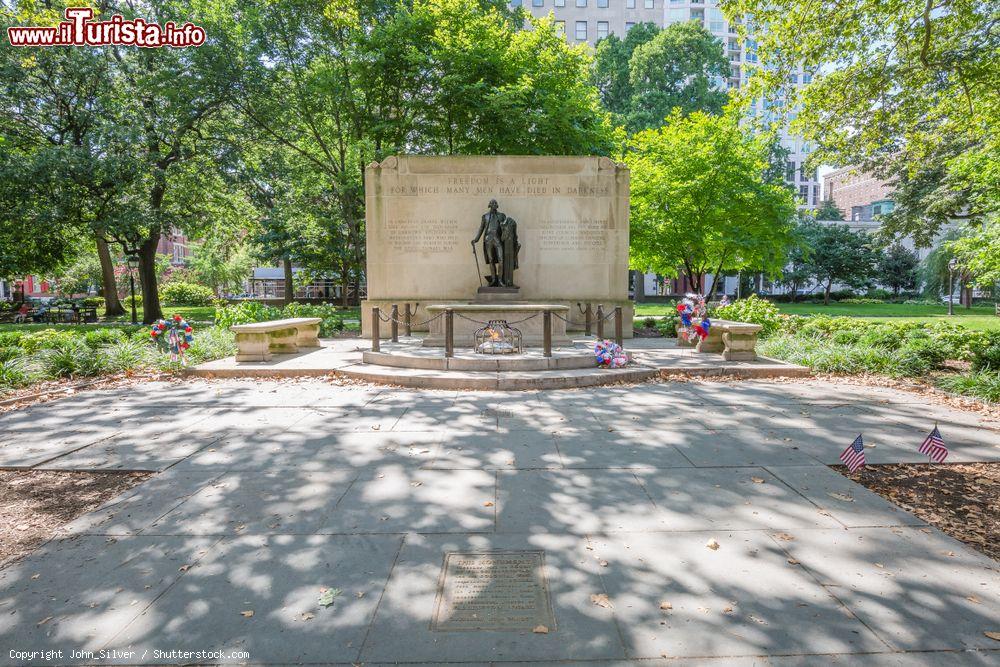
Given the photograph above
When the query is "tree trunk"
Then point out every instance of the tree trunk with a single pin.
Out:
(640, 286)
(826, 293)
(289, 284)
(151, 310)
(344, 283)
(109, 286)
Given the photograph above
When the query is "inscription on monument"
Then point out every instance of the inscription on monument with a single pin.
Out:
(422, 235)
(582, 234)
(497, 590)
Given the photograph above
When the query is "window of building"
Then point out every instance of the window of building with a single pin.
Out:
(515, 3)
(629, 4)
(815, 201)
(561, 27)
(581, 28)
(804, 193)
(790, 171)
(807, 77)
(537, 3)
(629, 25)
(602, 29)
(560, 3)
(581, 3)
(676, 16)
(603, 4)
(648, 4)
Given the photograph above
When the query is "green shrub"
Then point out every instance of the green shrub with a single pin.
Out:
(984, 385)
(72, 359)
(846, 336)
(93, 301)
(888, 336)
(8, 353)
(11, 338)
(47, 339)
(255, 311)
(211, 343)
(649, 322)
(863, 299)
(754, 310)
(985, 350)
(101, 337)
(126, 355)
(186, 294)
(14, 372)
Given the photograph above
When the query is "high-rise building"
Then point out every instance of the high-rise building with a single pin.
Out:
(859, 196)
(591, 20)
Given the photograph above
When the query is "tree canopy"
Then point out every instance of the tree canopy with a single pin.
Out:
(701, 201)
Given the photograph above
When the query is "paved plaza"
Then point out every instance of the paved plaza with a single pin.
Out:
(676, 523)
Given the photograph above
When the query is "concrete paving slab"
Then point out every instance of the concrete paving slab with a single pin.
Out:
(738, 447)
(279, 579)
(315, 451)
(849, 503)
(127, 451)
(446, 415)
(141, 505)
(86, 589)
(917, 590)
(497, 451)
(254, 503)
(618, 449)
(394, 499)
(742, 599)
(26, 449)
(727, 499)
(573, 501)
(402, 627)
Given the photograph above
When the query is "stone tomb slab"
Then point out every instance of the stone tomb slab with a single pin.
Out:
(493, 590)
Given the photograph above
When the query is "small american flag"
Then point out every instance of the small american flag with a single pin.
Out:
(934, 446)
(854, 456)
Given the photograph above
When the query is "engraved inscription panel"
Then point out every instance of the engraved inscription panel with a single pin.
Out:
(496, 590)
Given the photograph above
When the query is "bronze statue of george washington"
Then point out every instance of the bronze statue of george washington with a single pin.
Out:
(500, 246)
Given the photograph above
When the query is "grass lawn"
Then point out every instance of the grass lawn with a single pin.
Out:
(980, 317)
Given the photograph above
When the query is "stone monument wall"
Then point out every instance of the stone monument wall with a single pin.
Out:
(572, 223)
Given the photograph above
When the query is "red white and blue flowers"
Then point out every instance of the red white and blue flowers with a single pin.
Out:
(610, 354)
(174, 336)
(694, 317)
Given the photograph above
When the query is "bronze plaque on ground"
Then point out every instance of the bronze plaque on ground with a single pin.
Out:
(493, 590)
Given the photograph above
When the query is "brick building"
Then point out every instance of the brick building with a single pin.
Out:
(860, 197)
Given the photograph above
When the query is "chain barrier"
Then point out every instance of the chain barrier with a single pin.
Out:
(564, 319)
(402, 323)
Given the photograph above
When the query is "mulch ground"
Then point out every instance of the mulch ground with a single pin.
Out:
(961, 499)
(34, 503)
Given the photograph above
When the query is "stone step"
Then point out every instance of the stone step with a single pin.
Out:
(530, 361)
(492, 380)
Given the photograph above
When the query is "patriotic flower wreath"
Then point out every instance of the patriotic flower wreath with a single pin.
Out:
(610, 354)
(173, 336)
(692, 307)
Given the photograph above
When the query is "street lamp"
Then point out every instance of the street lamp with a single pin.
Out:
(952, 267)
(133, 262)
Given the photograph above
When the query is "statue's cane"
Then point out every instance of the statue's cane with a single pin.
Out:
(478, 270)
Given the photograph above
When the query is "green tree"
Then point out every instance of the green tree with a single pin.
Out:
(840, 255)
(678, 68)
(909, 91)
(611, 67)
(828, 211)
(897, 268)
(700, 203)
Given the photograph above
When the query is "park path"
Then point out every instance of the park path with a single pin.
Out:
(270, 492)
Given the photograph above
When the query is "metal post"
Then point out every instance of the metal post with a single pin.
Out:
(131, 289)
(407, 323)
(547, 332)
(375, 334)
(951, 291)
(449, 333)
(600, 321)
(588, 319)
(394, 325)
(619, 335)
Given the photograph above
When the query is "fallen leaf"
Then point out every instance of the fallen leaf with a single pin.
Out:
(359, 594)
(727, 610)
(540, 630)
(35, 576)
(973, 599)
(712, 544)
(841, 496)
(666, 606)
(247, 614)
(792, 561)
(487, 504)
(601, 600)
(784, 537)
(49, 618)
(992, 635)
(415, 484)
(184, 568)
(307, 616)
(328, 595)
(604, 563)
(879, 565)
(757, 480)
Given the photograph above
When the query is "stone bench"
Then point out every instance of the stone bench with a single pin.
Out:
(259, 340)
(735, 341)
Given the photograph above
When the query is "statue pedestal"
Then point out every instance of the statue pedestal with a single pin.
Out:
(497, 294)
